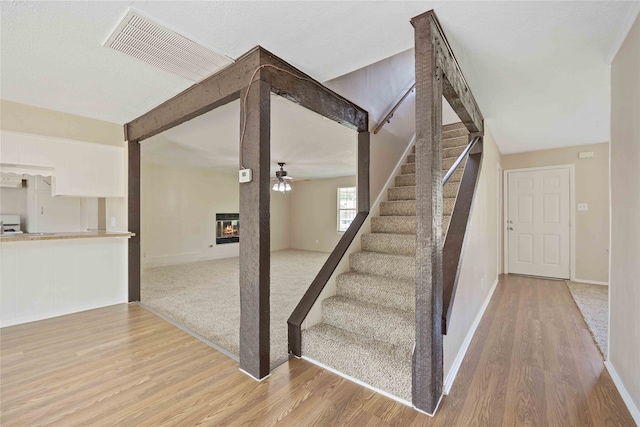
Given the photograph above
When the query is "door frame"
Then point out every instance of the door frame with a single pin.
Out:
(572, 213)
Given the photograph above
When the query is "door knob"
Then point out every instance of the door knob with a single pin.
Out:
(510, 228)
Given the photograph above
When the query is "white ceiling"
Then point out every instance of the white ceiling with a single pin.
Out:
(310, 145)
(537, 69)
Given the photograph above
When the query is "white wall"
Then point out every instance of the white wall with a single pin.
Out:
(314, 206)
(479, 270)
(624, 285)
(178, 214)
(376, 88)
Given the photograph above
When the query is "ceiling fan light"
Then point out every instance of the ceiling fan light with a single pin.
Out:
(275, 187)
(287, 187)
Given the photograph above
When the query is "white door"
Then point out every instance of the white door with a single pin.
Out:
(539, 222)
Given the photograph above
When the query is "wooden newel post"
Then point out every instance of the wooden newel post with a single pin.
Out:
(427, 358)
(255, 235)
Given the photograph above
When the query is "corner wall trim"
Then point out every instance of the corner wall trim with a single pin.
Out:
(626, 397)
(451, 376)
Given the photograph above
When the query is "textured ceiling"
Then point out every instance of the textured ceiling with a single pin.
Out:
(537, 69)
(311, 146)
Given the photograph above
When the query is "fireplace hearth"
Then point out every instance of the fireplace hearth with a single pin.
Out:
(227, 228)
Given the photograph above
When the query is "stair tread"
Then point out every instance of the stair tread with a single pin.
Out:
(390, 265)
(389, 243)
(383, 323)
(361, 357)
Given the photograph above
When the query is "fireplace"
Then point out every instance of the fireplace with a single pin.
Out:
(227, 228)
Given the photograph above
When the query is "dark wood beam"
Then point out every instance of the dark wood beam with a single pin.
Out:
(427, 358)
(311, 94)
(460, 219)
(212, 92)
(456, 90)
(364, 203)
(255, 241)
(134, 220)
(224, 87)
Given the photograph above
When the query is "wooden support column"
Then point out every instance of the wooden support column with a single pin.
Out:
(134, 220)
(363, 172)
(427, 358)
(255, 241)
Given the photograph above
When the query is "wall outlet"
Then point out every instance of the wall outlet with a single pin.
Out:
(112, 221)
(246, 175)
(583, 207)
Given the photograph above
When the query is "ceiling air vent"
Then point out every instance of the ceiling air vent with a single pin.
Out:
(149, 42)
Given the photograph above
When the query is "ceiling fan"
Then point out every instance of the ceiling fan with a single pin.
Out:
(282, 180)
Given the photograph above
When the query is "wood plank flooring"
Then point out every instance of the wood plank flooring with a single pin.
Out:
(532, 362)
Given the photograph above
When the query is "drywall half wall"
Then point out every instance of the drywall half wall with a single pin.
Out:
(40, 121)
(624, 288)
(178, 214)
(478, 272)
(592, 188)
(314, 213)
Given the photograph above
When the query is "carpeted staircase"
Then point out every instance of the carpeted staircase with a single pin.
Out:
(368, 328)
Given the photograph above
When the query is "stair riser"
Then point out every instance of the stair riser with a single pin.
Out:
(396, 244)
(406, 180)
(382, 324)
(398, 208)
(399, 225)
(366, 363)
(402, 193)
(410, 168)
(452, 152)
(454, 133)
(453, 126)
(377, 290)
(395, 267)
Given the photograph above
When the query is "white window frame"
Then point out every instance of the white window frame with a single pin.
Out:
(355, 210)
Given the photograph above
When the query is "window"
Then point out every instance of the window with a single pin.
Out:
(346, 207)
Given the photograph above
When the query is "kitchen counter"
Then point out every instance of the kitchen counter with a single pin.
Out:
(63, 235)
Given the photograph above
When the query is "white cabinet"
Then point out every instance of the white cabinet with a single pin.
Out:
(81, 169)
(47, 278)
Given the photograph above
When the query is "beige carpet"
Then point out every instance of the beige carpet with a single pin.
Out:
(205, 297)
(593, 303)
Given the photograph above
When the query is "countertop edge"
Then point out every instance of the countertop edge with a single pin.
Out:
(28, 237)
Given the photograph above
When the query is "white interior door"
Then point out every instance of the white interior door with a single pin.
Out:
(539, 222)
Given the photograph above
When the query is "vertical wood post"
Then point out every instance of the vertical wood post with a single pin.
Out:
(427, 358)
(134, 220)
(255, 241)
(363, 172)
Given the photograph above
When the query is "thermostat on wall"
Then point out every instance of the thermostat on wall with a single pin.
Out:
(246, 175)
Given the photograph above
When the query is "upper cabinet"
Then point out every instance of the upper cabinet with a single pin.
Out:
(77, 168)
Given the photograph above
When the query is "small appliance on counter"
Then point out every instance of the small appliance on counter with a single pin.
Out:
(10, 224)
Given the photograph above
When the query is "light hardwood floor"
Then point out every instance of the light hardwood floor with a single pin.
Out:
(531, 362)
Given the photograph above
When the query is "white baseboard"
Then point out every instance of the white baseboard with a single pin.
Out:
(590, 282)
(451, 376)
(626, 397)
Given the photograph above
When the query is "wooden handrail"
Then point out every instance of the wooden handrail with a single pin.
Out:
(459, 160)
(458, 226)
(388, 116)
(306, 303)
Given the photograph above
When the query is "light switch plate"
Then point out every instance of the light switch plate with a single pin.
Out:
(246, 175)
(583, 207)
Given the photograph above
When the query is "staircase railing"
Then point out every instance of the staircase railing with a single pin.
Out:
(454, 240)
(387, 118)
(294, 324)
